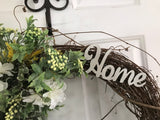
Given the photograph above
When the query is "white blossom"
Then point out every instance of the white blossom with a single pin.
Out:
(33, 98)
(3, 86)
(57, 94)
(6, 69)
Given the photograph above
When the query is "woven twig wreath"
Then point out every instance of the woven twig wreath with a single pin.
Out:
(144, 101)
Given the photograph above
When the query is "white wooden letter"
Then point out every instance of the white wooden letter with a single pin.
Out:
(124, 73)
(101, 71)
(139, 79)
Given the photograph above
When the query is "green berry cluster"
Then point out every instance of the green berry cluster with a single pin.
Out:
(33, 34)
(6, 31)
(57, 61)
(80, 65)
(12, 109)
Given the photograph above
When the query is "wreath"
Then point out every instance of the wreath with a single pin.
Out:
(32, 75)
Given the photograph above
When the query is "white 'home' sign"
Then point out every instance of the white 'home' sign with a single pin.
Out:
(100, 70)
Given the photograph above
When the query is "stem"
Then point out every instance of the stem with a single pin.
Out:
(112, 109)
(14, 13)
(133, 101)
(67, 37)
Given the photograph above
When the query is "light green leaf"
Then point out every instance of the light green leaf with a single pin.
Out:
(36, 68)
(21, 56)
(67, 73)
(15, 56)
(38, 83)
(14, 46)
(46, 87)
(3, 100)
(32, 77)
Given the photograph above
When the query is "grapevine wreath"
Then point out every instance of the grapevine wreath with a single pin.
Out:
(32, 74)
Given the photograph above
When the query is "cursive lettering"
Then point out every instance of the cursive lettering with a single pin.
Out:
(114, 74)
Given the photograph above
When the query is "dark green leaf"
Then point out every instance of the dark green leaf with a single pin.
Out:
(49, 74)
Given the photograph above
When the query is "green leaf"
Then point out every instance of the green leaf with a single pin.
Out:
(61, 84)
(38, 83)
(30, 22)
(36, 68)
(3, 100)
(47, 99)
(67, 73)
(32, 77)
(58, 107)
(2, 43)
(16, 89)
(14, 46)
(46, 87)
(49, 74)
(21, 56)
(46, 32)
(74, 55)
(29, 108)
(24, 111)
(15, 56)
(43, 63)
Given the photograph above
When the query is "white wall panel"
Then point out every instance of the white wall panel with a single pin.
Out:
(77, 4)
(138, 17)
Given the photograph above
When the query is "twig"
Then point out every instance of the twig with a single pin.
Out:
(54, 41)
(123, 48)
(116, 38)
(133, 101)
(61, 34)
(14, 13)
(112, 109)
(67, 37)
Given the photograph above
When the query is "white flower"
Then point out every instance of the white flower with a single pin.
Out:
(35, 98)
(57, 94)
(3, 86)
(6, 68)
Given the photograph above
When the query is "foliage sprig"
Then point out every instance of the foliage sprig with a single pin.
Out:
(32, 73)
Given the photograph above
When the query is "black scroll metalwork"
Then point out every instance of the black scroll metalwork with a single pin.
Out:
(47, 5)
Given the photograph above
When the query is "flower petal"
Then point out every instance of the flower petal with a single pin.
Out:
(0, 64)
(8, 73)
(3, 85)
(36, 99)
(1, 75)
(8, 66)
(6, 69)
(57, 94)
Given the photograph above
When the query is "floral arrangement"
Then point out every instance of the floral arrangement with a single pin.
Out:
(32, 73)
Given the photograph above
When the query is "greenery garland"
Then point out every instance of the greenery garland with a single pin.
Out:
(32, 73)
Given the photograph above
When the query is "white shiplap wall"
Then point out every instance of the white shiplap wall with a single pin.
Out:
(139, 19)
